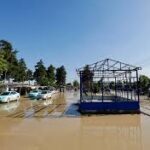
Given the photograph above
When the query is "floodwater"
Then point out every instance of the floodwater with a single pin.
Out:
(35, 125)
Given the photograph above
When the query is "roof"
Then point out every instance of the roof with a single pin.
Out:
(109, 67)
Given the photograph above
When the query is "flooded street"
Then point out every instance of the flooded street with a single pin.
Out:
(44, 125)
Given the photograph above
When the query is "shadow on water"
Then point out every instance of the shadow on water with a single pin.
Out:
(72, 111)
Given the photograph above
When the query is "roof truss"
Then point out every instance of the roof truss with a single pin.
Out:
(110, 67)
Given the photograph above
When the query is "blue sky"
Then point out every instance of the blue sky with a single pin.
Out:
(78, 32)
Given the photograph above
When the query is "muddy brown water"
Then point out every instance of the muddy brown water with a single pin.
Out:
(39, 125)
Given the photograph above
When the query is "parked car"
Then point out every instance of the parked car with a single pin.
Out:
(9, 96)
(34, 93)
(45, 94)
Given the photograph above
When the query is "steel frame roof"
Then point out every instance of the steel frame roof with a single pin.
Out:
(110, 68)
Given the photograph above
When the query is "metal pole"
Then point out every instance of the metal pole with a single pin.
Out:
(134, 89)
(137, 80)
(81, 86)
(115, 90)
(102, 90)
(130, 85)
(91, 88)
(127, 87)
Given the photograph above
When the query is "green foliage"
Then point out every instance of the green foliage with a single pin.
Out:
(3, 63)
(112, 85)
(40, 73)
(44, 81)
(76, 84)
(11, 67)
(21, 71)
(47, 77)
(144, 83)
(87, 77)
(61, 76)
(96, 87)
(29, 75)
(9, 55)
(51, 75)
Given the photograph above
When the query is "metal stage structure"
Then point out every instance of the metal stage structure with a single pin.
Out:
(109, 86)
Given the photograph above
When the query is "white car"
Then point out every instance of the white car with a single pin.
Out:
(9, 96)
(45, 95)
(34, 93)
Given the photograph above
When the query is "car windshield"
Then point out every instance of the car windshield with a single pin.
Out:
(44, 92)
(5, 93)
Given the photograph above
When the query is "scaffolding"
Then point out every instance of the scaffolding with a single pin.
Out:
(109, 82)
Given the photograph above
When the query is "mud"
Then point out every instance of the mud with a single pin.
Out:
(35, 125)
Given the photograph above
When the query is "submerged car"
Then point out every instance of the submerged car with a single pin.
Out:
(9, 96)
(34, 93)
(45, 95)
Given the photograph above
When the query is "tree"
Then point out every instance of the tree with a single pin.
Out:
(61, 76)
(9, 55)
(40, 73)
(3, 63)
(96, 87)
(87, 77)
(29, 75)
(21, 71)
(5, 45)
(51, 75)
(76, 84)
(144, 83)
(112, 85)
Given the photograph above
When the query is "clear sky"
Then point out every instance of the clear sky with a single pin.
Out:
(78, 32)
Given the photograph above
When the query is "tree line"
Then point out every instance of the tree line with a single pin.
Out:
(144, 84)
(89, 85)
(13, 68)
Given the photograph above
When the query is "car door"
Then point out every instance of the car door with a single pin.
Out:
(13, 96)
(48, 94)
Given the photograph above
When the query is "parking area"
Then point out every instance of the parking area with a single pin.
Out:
(57, 106)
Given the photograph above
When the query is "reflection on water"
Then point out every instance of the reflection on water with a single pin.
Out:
(111, 132)
(95, 132)
(9, 107)
(85, 133)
